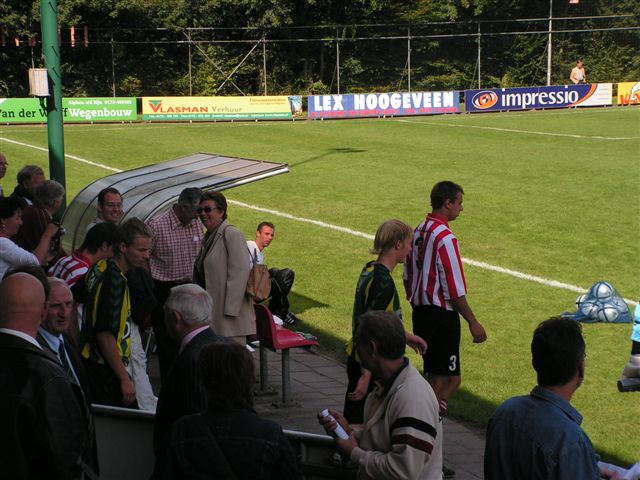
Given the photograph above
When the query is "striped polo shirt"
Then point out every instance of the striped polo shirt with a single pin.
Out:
(433, 272)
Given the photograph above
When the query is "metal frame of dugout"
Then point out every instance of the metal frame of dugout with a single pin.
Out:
(151, 190)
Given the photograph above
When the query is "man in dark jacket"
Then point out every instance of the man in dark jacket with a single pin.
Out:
(187, 313)
(43, 420)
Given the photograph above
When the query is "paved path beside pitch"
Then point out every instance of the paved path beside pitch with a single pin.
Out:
(319, 382)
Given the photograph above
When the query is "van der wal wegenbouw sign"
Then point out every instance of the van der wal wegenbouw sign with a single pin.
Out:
(74, 110)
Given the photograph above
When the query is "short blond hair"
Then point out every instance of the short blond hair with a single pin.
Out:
(388, 234)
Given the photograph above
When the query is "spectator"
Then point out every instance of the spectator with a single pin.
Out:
(577, 74)
(43, 418)
(188, 311)
(53, 337)
(538, 436)
(107, 325)
(227, 440)
(11, 255)
(3, 170)
(29, 177)
(178, 236)
(109, 207)
(35, 218)
(97, 244)
(376, 290)
(402, 435)
(281, 280)
(222, 268)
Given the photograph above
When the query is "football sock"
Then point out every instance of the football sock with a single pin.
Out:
(632, 368)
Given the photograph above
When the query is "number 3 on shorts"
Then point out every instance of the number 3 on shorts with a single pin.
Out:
(453, 361)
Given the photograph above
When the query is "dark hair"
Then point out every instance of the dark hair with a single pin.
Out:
(217, 198)
(445, 190)
(97, 235)
(9, 206)
(384, 329)
(103, 193)
(34, 271)
(126, 233)
(227, 373)
(265, 224)
(28, 171)
(557, 349)
(190, 197)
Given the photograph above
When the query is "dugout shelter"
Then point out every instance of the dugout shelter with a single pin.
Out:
(151, 190)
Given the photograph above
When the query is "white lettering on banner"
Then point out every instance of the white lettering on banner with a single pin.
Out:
(416, 99)
(358, 102)
(326, 103)
(406, 100)
(396, 100)
(383, 101)
(371, 102)
(447, 99)
(337, 102)
(525, 100)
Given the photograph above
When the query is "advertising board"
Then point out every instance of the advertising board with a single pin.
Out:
(383, 104)
(220, 108)
(629, 93)
(74, 110)
(560, 96)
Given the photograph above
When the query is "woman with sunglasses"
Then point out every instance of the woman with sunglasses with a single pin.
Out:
(222, 269)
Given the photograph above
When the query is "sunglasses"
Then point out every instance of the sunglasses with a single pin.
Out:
(206, 209)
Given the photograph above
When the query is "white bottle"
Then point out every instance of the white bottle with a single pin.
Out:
(339, 431)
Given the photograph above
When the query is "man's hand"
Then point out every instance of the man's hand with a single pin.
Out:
(417, 343)
(477, 331)
(361, 389)
(128, 391)
(330, 424)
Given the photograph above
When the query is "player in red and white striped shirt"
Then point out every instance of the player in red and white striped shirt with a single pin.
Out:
(436, 288)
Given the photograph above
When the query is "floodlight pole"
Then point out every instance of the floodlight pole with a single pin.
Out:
(338, 60)
(55, 128)
(479, 54)
(549, 43)
(409, 58)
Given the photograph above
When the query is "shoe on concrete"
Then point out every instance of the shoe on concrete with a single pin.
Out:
(447, 472)
(291, 319)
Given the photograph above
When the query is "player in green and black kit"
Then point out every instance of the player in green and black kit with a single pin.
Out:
(376, 290)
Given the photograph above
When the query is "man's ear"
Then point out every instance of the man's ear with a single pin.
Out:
(581, 369)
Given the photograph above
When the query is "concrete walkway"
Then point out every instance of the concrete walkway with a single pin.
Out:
(320, 382)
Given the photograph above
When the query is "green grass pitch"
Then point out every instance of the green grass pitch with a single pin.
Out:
(553, 194)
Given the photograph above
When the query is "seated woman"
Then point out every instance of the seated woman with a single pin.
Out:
(11, 255)
(228, 440)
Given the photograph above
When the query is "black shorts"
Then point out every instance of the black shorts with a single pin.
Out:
(440, 328)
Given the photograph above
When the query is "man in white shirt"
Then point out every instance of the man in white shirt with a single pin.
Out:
(281, 280)
(577, 74)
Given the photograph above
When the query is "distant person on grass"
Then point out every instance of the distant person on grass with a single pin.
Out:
(577, 74)
(538, 436)
(3, 170)
(376, 290)
(401, 437)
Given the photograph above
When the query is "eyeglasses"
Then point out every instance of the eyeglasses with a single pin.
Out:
(206, 209)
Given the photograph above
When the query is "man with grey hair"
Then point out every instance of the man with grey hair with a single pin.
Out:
(29, 177)
(187, 313)
(178, 236)
(35, 218)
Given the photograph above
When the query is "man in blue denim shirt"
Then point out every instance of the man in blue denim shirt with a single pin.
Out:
(538, 436)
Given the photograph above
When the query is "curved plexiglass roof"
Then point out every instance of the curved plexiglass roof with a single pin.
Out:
(148, 191)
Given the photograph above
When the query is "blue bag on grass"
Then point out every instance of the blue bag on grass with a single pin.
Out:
(602, 303)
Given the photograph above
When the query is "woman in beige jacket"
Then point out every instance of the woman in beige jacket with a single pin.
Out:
(222, 268)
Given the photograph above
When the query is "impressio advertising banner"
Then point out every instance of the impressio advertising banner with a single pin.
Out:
(629, 93)
(561, 96)
(383, 104)
(220, 108)
(74, 110)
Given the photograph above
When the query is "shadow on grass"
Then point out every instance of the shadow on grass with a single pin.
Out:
(329, 152)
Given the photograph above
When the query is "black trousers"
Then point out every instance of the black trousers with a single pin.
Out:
(281, 283)
(166, 345)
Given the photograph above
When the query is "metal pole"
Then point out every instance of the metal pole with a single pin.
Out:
(338, 61)
(264, 64)
(113, 69)
(190, 57)
(55, 121)
(549, 45)
(479, 55)
(409, 58)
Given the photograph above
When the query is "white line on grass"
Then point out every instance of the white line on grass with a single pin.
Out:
(528, 132)
(368, 236)
(73, 157)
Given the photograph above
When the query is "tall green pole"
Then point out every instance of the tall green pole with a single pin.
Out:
(51, 51)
